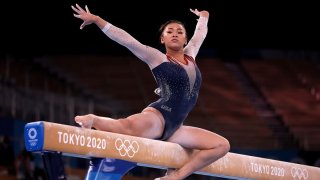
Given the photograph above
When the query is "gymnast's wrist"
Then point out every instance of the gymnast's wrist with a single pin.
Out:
(203, 17)
(96, 19)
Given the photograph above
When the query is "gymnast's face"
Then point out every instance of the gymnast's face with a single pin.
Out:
(174, 36)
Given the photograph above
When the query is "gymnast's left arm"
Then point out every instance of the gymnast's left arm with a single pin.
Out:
(200, 33)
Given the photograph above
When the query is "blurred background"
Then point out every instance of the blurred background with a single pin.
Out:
(259, 62)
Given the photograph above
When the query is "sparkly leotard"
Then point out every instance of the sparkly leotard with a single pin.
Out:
(179, 83)
(177, 97)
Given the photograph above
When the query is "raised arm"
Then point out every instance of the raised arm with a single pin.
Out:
(149, 55)
(200, 33)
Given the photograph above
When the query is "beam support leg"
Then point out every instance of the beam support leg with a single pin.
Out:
(108, 169)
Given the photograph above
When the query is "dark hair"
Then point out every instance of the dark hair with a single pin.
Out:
(164, 25)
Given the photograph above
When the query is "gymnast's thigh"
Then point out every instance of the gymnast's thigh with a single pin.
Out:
(149, 123)
(196, 138)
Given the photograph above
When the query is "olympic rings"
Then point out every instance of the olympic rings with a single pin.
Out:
(127, 147)
(299, 173)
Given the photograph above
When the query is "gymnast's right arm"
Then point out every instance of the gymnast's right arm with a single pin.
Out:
(149, 55)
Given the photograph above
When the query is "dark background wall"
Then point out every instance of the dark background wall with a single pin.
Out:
(48, 27)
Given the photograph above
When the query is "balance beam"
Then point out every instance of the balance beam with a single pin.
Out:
(80, 142)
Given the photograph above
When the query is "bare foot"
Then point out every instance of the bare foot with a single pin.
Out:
(168, 178)
(171, 174)
(170, 171)
(85, 121)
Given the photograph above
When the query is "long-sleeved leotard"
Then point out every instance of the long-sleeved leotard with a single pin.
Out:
(179, 83)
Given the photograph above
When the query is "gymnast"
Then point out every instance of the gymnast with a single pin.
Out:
(179, 80)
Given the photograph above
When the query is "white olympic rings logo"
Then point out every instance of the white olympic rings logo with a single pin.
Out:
(299, 173)
(32, 133)
(127, 147)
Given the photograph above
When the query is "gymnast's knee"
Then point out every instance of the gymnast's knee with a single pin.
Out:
(220, 148)
(224, 146)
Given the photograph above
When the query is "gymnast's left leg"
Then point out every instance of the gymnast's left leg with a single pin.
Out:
(212, 147)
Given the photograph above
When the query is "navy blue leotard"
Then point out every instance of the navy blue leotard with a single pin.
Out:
(177, 98)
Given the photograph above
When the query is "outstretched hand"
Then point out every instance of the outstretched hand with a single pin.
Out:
(85, 15)
(200, 13)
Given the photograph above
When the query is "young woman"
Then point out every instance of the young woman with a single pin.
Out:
(179, 80)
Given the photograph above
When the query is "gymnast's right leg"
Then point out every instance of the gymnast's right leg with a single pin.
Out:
(148, 124)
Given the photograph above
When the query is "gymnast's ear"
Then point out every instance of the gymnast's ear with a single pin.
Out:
(161, 40)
